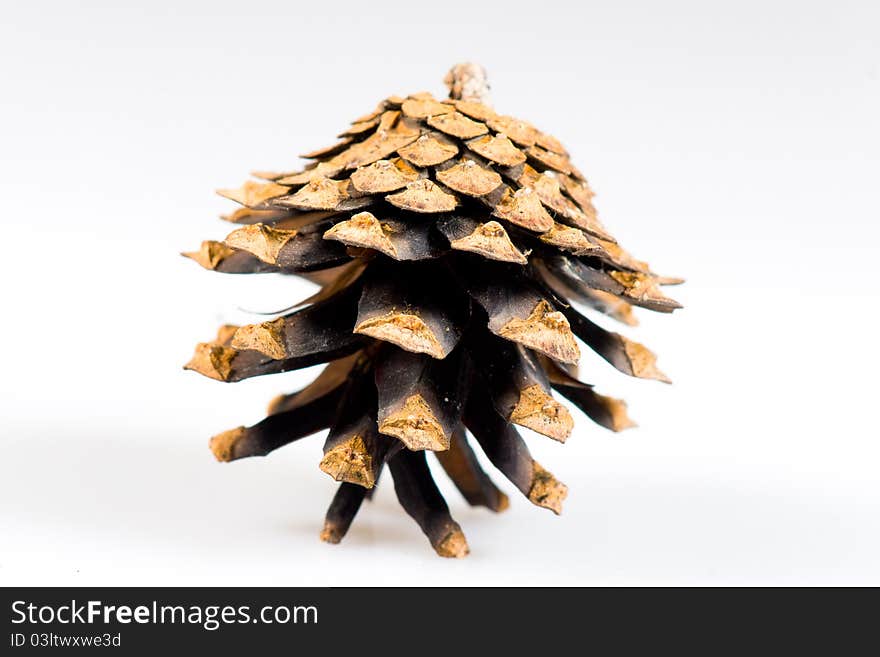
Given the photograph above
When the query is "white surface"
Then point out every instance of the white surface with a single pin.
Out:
(736, 146)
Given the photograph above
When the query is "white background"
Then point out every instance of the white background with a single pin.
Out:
(735, 144)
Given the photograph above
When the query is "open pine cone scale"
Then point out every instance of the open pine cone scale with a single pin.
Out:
(449, 242)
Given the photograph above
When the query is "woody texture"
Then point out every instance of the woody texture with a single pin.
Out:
(457, 251)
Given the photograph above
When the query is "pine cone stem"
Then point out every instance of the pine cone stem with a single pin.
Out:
(468, 82)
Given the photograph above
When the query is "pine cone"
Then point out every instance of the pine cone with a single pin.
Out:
(449, 241)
